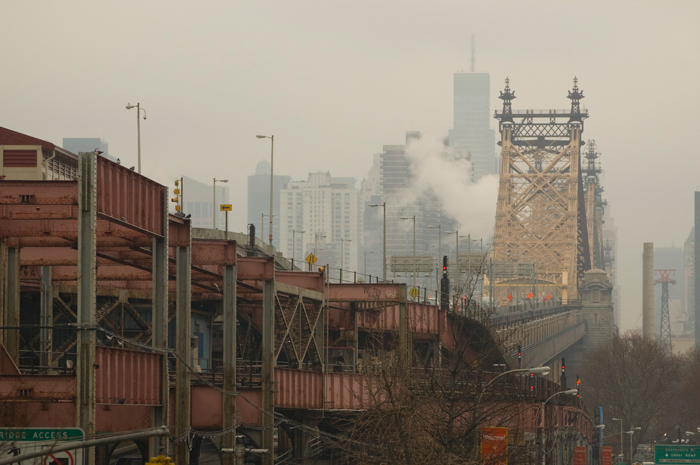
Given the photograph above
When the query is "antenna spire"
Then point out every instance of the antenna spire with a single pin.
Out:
(471, 67)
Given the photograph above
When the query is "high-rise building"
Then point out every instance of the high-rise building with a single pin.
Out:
(610, 261)
(472, 136)
(327, 209)
(87, 144)
(403, 201)
(689, 278)
(198, 201)
(259, 202)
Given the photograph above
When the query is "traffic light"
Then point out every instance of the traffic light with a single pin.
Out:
(520, 356)
(532, 382)
(177, 198)
(563, 373)
(444, 287)
(578, 386)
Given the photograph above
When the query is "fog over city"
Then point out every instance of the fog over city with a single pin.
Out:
(334, 82)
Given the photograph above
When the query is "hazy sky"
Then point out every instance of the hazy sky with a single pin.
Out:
(334, 81)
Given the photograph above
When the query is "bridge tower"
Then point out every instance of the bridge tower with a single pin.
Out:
(665, 331)
(541, 213)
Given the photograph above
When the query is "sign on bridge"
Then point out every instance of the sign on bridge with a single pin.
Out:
(15, 442)
(676, 455)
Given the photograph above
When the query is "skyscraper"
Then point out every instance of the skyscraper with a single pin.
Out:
(259, 201)
(327, 209)
(472, 136)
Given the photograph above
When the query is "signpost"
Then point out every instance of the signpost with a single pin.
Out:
(311, 259)
(676, 454)
(607, 455)
(494, 445)
(226, 207)
(20, 441)
(579, 456)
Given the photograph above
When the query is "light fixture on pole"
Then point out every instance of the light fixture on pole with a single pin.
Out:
(544, 423)
(294, 244)
(138, 128)
(366, 252)
(213, 218)
(342, 255)
(622, 440)
(459, 269)
(316, 236)
(544, 371)
(631, 433)
(272, 160)
(383, 205)
(439, 228)
(414, 245)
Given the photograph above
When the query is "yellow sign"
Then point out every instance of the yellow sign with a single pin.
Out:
(226, 207)
(414, 292)
(311, 259)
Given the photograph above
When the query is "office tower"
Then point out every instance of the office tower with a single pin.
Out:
(259, 202)
(472, 136)
(327, 209)
(88, 144)
(198, 201)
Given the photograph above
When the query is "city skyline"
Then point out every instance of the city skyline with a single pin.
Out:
(333, 103)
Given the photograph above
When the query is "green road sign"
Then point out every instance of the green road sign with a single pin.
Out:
(20, 441)
(676, 455)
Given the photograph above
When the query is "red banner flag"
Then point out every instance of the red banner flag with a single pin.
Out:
(494, 446)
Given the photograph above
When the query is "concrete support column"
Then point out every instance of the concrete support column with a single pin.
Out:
(87, 298)
(12, 304)
(648, 291)
(229, 400)
(268, 370)
(182, 348)
(159, 325)
(46, 320)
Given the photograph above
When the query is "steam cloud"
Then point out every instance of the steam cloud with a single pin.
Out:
(437, 167)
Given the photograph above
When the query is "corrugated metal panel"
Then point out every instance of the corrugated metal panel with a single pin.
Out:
(129, 197)
(127, 377)
(20, 158)
(298, 389)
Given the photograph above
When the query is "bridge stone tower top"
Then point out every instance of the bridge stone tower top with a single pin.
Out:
(596, 308)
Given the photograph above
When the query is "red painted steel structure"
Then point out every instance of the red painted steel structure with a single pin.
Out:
(40, 218)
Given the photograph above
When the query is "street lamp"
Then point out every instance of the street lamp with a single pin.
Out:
(138, 127)
(316, 236)
(294, 244)
(536, 370)
(383, 205)
(622, 440)
(342, 255)
(414, 245)
(272, 159)
(438, 227)
(544, 424)
(213, 218)
(631, 433)
(366, 252)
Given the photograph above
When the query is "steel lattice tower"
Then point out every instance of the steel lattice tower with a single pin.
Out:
(541, 213)
(665, 331)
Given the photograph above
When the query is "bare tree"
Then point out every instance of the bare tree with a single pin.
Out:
(634, 379)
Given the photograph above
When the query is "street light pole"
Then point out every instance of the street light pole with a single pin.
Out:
(366, 252)
(622, 440)
(342, 255)
(544, 423)
(383, 205)
(414, 245)
(138, 128)
(631, 433)
(316, 236)
(213, 218)
(294, 244)
(272, 161)
(438, 227)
